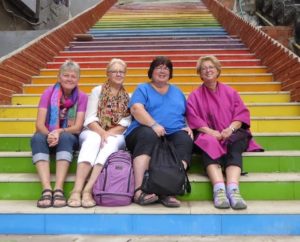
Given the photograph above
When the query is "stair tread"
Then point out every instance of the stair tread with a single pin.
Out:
(251, 177)
(194, 207)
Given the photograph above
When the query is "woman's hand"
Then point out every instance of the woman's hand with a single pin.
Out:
(53, 138)
(104, 136)
(216, 134)
(189, 131)
(226, 133)
(159, 130)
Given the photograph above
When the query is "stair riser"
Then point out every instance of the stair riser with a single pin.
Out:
(201, 191)
(177, 71)
(176, 64)
(149, 58)
(272, 126)
(251, 164)
(247, 98)
(251, 87)
(256, 111)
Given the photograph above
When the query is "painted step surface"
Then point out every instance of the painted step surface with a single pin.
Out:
(185, 87)
(270, 141)
(256, 109)
(287, 160)
(176, 71)
(255, 186)
(248, 97)
(192, 218)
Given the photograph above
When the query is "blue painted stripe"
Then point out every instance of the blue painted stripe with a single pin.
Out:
(141, 224)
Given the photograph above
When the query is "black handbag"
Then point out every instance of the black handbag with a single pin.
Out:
(166, 174)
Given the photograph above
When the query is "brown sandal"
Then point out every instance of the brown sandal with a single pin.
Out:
(45, 197)
(142, 200)
(58, 195)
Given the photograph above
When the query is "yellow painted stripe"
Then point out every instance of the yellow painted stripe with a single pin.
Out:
(276, 126)
(187, 87)
(257, 126)
(176, 71)
(141, 78)
(255, 110)
(33, 99)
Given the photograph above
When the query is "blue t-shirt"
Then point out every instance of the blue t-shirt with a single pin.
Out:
(166, 109)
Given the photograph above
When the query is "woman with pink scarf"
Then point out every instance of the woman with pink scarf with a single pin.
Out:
(59, 120)
(221, 122)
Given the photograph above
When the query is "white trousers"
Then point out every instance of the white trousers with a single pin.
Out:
(90, 147)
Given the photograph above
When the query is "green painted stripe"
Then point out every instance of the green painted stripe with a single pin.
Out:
(270, 143)
(200, 191)
(257, 164)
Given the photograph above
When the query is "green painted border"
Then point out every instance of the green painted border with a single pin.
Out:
(201, 191)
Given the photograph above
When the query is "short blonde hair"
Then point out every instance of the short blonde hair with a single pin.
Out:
(69, 65)
(116, 61)
(211, 58)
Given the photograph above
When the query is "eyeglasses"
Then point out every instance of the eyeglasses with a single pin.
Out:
(207, 68)
(118, 72)
(162, 68)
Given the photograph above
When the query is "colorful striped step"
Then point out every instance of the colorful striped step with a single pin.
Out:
(270, 141)
(145, 64)
(120, 53)
(149, 58)
(138, 78)
(254, 162)
(185, 87)
(254, 186)
(256, 109)
(176, 71)
(248, 97)
(258, 124)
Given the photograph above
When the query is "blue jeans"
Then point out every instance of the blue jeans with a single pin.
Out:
(63, 150)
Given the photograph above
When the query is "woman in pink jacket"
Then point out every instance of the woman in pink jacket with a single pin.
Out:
(221, 122)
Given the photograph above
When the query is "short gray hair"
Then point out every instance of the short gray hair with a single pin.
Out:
(70, 65)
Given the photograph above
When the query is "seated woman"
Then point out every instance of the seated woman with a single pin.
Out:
(221, 122)
(158, 109)
(59, 121)
(106, 119)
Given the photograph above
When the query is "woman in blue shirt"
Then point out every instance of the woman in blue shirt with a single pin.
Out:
(158, 109)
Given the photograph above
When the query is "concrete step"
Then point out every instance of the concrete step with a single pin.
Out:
(192, 218)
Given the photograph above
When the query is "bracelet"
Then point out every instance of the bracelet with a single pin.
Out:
(233, 129)
(153, 125)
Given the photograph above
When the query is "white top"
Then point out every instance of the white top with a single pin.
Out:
(92, 109)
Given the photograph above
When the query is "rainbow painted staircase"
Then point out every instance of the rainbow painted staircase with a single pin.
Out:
(136, 31)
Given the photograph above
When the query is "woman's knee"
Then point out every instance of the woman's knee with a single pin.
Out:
(38, 138)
